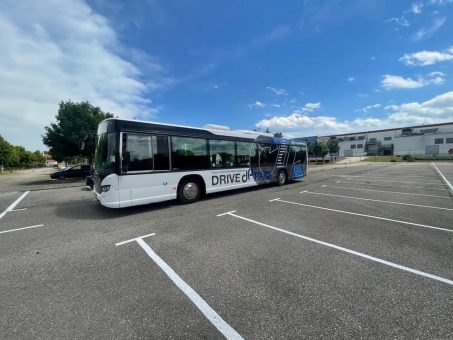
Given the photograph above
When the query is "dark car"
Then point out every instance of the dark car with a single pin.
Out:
(72, 172)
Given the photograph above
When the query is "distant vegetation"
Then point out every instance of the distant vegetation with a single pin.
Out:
(13, 156)
(73, 135)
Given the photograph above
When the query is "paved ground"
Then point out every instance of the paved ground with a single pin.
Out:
(356, 252)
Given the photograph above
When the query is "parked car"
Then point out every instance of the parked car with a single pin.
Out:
(72, 172)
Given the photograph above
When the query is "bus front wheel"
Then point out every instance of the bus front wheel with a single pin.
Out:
(189, 191)
(282, 178)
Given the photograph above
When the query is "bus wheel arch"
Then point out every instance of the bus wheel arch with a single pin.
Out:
(282, 177)
(190, 189)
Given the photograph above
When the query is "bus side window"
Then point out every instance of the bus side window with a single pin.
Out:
(189, 153)
(137, 154)
(161, 154)
(244, 151)
(222, 153)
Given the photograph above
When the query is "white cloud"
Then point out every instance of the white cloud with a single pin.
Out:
(401, 21)
(257, 104)
(370, 107)
(426, 32)
(350, 79)
(277, 91)
(416, 7)
(310, 107)
(435, 110)
(440, 2)
(425, 58)
(73, 55)
(390, 82)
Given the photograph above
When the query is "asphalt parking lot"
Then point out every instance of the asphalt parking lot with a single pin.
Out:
(357, 252)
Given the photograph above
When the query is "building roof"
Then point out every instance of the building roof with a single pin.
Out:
(392, 129)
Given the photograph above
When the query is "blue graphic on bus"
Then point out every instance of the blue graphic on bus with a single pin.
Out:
(276, 140)
(298, 171)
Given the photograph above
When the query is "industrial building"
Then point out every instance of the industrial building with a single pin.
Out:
(433, 139)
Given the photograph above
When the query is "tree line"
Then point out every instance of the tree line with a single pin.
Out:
(13, 156)
(321, 149)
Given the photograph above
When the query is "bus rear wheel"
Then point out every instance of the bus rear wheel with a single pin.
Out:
(189, 191)
(282, 177)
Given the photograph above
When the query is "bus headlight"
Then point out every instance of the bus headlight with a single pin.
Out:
(105, 188)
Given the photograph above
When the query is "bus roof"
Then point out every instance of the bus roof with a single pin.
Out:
(219, 132)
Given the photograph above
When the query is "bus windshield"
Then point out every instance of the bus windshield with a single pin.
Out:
(104, 158)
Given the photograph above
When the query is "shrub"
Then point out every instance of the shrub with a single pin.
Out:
(408, 158)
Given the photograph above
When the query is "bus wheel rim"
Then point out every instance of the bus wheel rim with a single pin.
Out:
(190, 190)
(282, 177)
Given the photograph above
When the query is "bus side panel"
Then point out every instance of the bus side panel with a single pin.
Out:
(225, 179)
(146, 188)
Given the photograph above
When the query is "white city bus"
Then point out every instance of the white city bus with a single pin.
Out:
(140, 162)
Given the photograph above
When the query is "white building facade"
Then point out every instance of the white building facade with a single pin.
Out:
(433, 139)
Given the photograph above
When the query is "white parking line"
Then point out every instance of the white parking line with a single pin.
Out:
(390, 192)
(13, 205)
(402, 182)
(11, 230)
(447, 183)
(362, 215)
(394, 186)
(196, 299)
(346, 250)
(374, 200)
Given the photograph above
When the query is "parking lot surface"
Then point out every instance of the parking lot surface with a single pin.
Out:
(349, 252)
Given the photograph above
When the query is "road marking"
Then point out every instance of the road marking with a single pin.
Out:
(364, 215)
(196, 299)
(346, 250)
(374, 200)
(447, 183)
(13, 205)
(390, 192)
(134, 239)
(394, 186)
(22, 209)
(386, 180)
(11, 230)
(232, 211)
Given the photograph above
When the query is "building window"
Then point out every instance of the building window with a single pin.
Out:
(361, 138)
(439, 141)
(352, 146)
(221, 153)
(359, 146)
(449, 140)
(387, 138)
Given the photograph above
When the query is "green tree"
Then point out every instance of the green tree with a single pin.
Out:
(334, 146)
(320, 149)
(76, 125)
(5, 152)
(278, 135)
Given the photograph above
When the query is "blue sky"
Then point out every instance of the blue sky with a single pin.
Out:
(300, 67)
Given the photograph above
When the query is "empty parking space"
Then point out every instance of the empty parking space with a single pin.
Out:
(362, 251)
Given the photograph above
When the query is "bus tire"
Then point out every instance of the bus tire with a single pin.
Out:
(282, 178)
(189, 190)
